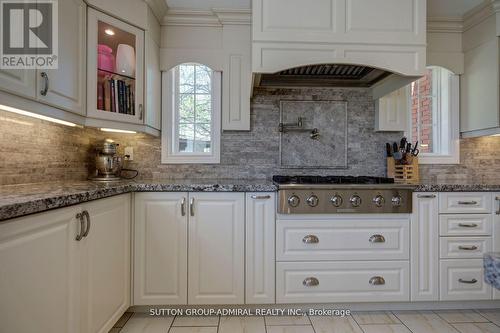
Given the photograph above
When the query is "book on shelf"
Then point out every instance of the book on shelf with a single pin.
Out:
(115, 96)
(107, 96)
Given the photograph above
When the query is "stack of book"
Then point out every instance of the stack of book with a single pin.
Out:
(115, 96)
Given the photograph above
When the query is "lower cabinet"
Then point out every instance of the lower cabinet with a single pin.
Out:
(61, 284)
(463, 280)
(213, 263)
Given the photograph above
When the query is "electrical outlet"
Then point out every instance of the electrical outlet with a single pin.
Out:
(130, 152)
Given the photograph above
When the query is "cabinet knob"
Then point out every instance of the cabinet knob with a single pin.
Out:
(310, 239)
(377, 239)
(310, 282)
(377, 281)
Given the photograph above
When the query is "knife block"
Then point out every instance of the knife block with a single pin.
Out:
(403, 173)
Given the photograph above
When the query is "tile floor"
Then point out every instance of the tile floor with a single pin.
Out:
(444, 321)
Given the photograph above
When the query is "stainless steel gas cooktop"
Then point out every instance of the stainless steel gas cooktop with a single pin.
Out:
(341, 194)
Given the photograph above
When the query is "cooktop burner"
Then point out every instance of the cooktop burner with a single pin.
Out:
(310, 180)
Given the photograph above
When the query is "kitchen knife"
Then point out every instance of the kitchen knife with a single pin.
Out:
(408, 148)
(395, 147)
(396, 154)
(388, 149)
(402, 144)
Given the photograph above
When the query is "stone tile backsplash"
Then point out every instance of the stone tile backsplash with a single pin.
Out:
(33, 150)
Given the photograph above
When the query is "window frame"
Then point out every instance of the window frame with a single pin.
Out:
(449, 127)
(170, 123)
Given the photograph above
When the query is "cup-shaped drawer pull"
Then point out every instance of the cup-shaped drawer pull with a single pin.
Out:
(467, 281)
(377, 281)
(310, 282)
(468, 225)
(467, 248)
(470, 203)
(377, 239)
(310, 239)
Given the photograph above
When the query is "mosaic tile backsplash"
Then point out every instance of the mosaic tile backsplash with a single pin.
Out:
(33, 150)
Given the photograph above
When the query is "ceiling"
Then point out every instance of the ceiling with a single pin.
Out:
(450, 8)
(435, 8)
(208, 4)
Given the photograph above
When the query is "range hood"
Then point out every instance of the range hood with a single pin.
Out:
(343, 43)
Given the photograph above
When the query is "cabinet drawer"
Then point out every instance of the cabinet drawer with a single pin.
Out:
(465, 225)
(450, 203)
(464, 247)
(331, 282)
(342, 240)
(462, 280)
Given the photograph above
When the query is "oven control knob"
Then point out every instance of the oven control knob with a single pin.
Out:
(379, 200)
(397, 201)
(355, 200)
(336, 200)
(293, 200)
(312, 201)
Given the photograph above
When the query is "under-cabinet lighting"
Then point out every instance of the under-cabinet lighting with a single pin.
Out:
(114, 130)
(35, 115)
(495, 135)
(109, 32)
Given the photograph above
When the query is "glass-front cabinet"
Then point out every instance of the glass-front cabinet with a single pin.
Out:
(115, 77)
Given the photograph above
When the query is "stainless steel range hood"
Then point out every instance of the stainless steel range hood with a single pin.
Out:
(380, 81)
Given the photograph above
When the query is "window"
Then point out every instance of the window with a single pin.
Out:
(434, 116)
(191, 115)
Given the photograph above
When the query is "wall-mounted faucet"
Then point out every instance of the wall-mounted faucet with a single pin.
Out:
(298, 127)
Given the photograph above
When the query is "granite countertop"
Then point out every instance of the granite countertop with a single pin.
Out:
(24, 199)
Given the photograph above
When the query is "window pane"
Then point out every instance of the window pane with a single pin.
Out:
(186, 108)
(186, 79)
(203, 138)
(203, 108)
(186, 138)
(203, 78)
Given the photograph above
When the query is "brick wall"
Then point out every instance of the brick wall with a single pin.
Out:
(421, 93)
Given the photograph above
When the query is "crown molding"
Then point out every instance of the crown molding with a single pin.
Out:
(159, 8)
(445, 24)
(207, 18)
(480, 13)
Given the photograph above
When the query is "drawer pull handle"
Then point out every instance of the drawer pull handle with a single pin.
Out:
(467, 248)
(310, 282)
(498, 211)
(467, 281)
(261, 197)
(426, 196)
(467, 202)
(467, 225)
(377, 281)
(310, 239)
(377, 239)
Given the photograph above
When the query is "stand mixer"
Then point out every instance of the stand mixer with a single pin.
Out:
(108, 164)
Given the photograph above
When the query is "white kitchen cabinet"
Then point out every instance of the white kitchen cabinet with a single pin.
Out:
(392, 111)
(102, 103)
(106, 263)
(153, 83)
(463, 280)
(259, 243)
(424, 260)
(131, 11)
(65, 86)
(40, 273)
(465, 203)
(21, 82)
(216, 236)
(160, 248)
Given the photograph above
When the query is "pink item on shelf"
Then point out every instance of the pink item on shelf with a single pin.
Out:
(105, 58)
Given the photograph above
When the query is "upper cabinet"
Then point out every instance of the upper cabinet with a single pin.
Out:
(64, 87)
(480, 94)
(115, 73)
(388, 34)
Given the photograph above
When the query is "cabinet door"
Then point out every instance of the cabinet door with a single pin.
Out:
(216, 248)
(392, 111)
(496, 233)
(20, 82)
(115, 69)
(107, 263)
(259, 239)
(39, 273)
(65, 86)
(160, 248)
(425, 248)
